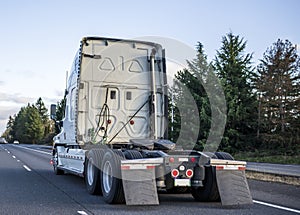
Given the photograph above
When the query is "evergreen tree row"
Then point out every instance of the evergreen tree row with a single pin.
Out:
(30, 125)
(261, 108)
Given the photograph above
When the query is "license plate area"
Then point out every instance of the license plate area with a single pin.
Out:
(179, 182)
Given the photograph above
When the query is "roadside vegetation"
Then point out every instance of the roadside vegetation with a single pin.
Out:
(267, 157)
(262, 101)
(32, 124)
(262, 110)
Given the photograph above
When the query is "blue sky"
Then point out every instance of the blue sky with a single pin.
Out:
(39, 38)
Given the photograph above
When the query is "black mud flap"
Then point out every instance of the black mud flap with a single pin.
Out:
(233, 187)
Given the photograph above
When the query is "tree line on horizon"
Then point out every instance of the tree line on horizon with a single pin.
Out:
(261, 110)
(32, 125)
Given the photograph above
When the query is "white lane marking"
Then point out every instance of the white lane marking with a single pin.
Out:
(82, 212)
(276, 206)
(27, 168)
(14, 157)
(47, 153)
(8, 152)
(18, 160)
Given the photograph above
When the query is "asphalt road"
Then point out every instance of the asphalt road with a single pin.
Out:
(29, 186)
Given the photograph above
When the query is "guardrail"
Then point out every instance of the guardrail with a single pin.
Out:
(276, 169)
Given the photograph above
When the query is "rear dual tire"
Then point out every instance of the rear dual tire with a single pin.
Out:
(92, 171)
(209, 192)
(111, 181)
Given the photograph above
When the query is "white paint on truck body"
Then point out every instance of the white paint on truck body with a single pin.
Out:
(109, 82)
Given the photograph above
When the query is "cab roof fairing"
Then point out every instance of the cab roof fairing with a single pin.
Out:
(85, 39)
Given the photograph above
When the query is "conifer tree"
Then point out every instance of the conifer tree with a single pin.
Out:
(43, 111)
(190, 123)
(28, 126)
(234, 68)
(279, 96)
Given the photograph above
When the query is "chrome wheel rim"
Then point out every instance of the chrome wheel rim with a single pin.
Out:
(90, 171)
(55, 163)
(107, 177)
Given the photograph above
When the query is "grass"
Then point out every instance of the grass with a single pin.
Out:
(273, 178)
(266, 158)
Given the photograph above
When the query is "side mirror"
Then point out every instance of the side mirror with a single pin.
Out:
(53, 112)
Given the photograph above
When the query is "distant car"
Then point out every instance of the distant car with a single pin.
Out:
(16, 142)
(2, 140)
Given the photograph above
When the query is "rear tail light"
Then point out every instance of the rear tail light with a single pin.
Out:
(171, 159)
(51, 162)
(219, 167)
(189, 173)
(193, 159)
(242, 168)
(175, 173)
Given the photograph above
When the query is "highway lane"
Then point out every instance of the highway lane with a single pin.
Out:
(36, 190)
(26, 185)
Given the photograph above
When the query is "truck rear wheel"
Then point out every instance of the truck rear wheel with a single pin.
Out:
(209, 192)
(132, 154)
(56, 169)
(111, 181)
(224, 156)
(92, 171)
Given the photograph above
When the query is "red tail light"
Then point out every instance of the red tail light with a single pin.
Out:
(242, 168)
(189, 173)
(174, 173)
(193, 159)
(171, 159)
(219, 167)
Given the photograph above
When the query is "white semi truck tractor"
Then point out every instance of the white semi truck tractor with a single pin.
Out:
(114, 131)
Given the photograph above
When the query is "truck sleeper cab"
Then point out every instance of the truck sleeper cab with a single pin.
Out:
(114, 133)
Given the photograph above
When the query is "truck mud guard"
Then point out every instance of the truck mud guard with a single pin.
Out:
(232, 183)
(139, 184)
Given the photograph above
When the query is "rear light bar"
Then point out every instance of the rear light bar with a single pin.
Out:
(183, 159)
(131, 167)
(228, 167)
